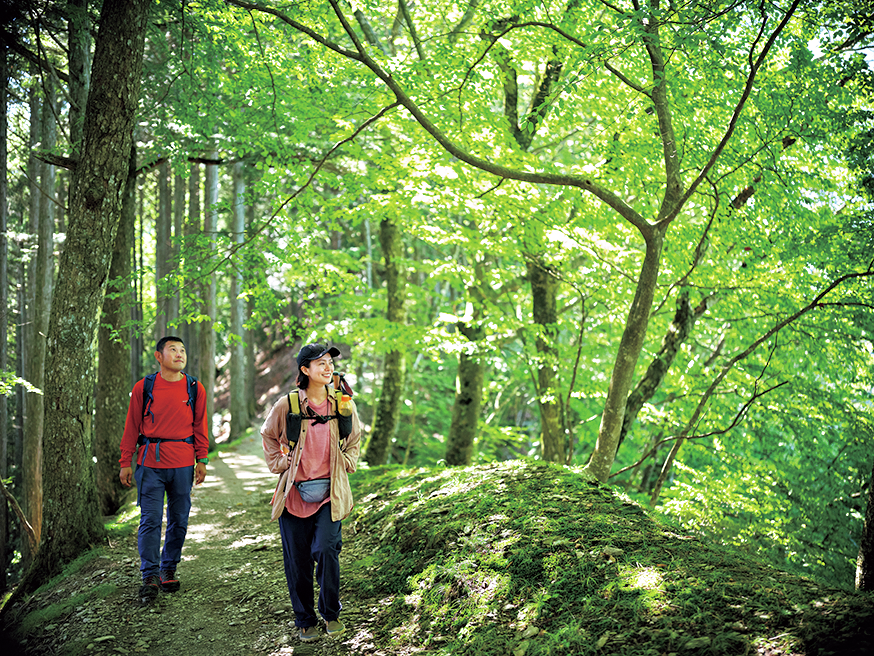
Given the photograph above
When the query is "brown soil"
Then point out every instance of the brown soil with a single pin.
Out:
(233, 598)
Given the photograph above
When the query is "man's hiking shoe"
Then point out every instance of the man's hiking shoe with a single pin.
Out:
(150, 588)
(309, 633)
(169, 582)
(334, 627)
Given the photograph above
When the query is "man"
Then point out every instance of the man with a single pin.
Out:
(168, 435)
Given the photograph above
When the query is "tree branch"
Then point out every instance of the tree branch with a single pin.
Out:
(360, 54)
(405, 9)
(28, 529)
(699, 409)
(735, 117)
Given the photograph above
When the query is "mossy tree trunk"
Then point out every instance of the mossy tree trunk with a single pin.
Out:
(388, 408)
(468, 399)
(544, 287)
(70, 511)
(112, 392)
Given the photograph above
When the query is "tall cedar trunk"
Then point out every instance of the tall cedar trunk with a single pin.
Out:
(387, 412)
(251, 403)
(191, 330)
(43, 277)
(26, 470)
(175, 250)
(137, 345)
(4, 304)
(113, 364)
(207, 334)
(630, 346)
(865, 562)
(237, 403)
(544, 288)
(163, 252)
(70, 513)
(468, 396)
(79, 40)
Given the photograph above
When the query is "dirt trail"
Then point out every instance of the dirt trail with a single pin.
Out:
(233, 598)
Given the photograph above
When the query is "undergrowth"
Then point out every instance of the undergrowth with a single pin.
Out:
(532, 559)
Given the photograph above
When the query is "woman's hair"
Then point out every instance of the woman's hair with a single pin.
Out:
(303, 381)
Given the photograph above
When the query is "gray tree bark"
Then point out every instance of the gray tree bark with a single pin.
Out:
(111, 395)
(207, 339)
(4, 304)
(32, 494)
(544, 289)
(163, 252)
(193, 222)
(70, 513)
(387, 412)
(238, 393)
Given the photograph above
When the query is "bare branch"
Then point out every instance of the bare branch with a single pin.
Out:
(28, 529)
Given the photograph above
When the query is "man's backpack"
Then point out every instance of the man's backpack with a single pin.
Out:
(148, 398)
(335, 395)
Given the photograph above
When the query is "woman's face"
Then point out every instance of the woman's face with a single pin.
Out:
(320, 371)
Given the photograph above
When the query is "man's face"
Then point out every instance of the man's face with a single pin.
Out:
(173, 356)
(320, 371)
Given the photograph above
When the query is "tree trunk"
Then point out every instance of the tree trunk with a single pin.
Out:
(630, 346)
(678, 332)
(207, 334)
(467, 406)
(251, 401)
(113, 364)
(138, 264)
(544, 287)
(238, 394)
(4, 304)
(468, 396)
(79, 40)
(173, 300)
(865, 562)
(388, 408)
(70, 520)
(191, 329)
(163, 252)
(32, 495)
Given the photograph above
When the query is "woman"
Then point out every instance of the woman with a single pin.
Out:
(310, 529)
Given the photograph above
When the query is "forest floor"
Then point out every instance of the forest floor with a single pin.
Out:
(233, 599)
(519, 558)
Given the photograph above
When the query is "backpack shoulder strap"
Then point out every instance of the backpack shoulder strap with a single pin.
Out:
(192, 392)
(148, 397)
(292, 419)
(294, 402)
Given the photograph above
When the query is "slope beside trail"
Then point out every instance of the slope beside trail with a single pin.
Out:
(233, 598)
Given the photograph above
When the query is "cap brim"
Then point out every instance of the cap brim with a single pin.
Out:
(333, 351)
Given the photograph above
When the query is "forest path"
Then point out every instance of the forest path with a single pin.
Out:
(233, 598)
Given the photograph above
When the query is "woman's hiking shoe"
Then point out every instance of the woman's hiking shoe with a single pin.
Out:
(169, 582)
(334, 627)
(309, 633)
(150, 588)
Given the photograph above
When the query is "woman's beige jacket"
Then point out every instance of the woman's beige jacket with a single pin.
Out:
(343, 457)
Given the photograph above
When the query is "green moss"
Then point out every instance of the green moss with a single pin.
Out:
(46, 615)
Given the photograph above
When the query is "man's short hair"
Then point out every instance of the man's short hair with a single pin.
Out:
(159, 347)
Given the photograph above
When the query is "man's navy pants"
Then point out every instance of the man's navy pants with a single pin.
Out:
(152, 484)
